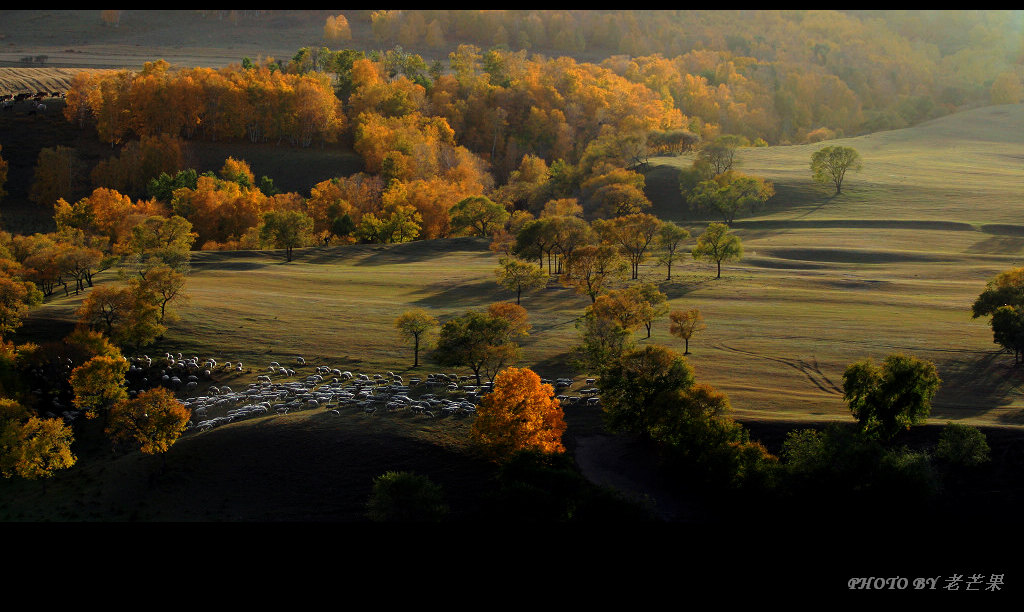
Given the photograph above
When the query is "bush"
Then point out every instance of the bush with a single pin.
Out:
(405, 497)
(962, 446)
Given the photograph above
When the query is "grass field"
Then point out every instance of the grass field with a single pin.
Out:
(891, 265)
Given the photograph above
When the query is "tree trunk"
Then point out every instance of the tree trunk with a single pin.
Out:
(686, 350)
(719, 270)
(416, 352)
(519, 292)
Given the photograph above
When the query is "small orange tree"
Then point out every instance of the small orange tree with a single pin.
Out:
(521, 413)
(153, 419)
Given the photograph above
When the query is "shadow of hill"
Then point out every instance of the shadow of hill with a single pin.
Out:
(319, 468)
(423, 250)
(468, 296)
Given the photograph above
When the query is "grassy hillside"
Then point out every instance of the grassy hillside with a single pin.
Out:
(891, 265)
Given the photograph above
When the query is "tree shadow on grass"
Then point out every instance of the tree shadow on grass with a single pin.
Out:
(682, 285)
(975, 384)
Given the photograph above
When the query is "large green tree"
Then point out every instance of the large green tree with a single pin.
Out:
(631, 385)
(889, 398)
(1003, 301)
(731, 192)
(479, 341)
(286, 230)
(478, 215)
(830, 165)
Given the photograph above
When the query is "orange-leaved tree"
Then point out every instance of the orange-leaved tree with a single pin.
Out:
(153, 420)
(521, 413)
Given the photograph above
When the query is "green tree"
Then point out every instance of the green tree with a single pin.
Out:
(404, 497)
(888, 398)
(478, 341)
(1008, 330)
(631, 385)
(830, 165)
(602, 342)
(669, 239)
(731, 192)
(478, 214)
(962, 446)
(286, 230)
(717, 244)
(516, 275)
(416, 325)
(1004, 289)
(652, 304)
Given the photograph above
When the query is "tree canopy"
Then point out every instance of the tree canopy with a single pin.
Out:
(891, 397)
(520, 413)
(830, 165)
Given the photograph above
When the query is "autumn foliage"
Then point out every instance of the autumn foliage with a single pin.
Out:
(153, 420)
(520, 413)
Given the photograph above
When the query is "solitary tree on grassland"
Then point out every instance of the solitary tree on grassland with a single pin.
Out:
(684, 324)
(717, 244)
(521, 413)
(830, 165)
(416, 325)
(1003, 300)
(885, 399)
(1008, 330)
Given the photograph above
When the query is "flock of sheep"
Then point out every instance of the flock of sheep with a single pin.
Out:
(279, 389)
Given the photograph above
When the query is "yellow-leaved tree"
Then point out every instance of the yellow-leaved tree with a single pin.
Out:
(152, 420)
(521, 413)
(31, 447)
